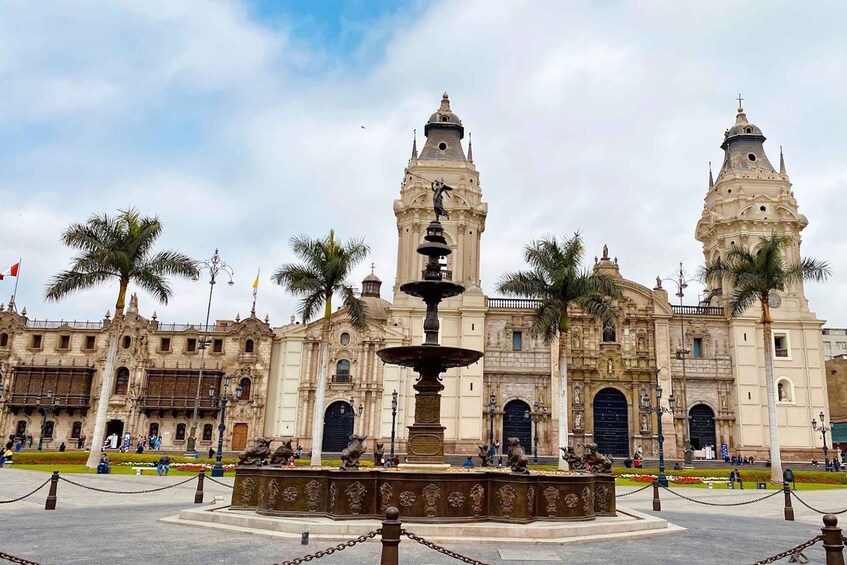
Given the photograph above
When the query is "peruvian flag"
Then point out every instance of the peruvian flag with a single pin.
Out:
(11, 271)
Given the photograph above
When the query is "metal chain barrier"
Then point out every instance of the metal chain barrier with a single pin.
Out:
(633, 492)
(801, 501)
(331, 550)
(208, 478)
(44, 484)
(774, 493)
(790, 552)
(440, 549)
(109, 491)
(13, 559)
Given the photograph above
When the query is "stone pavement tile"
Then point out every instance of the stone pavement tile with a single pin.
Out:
(525, 555)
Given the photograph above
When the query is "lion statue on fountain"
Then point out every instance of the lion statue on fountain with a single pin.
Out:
(256, 455)
(575, 462)
(350, 455)
(595, 461)
(282, 453)
(517, 457)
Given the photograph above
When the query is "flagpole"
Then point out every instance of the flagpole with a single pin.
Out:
(255, 292)
(17, 278)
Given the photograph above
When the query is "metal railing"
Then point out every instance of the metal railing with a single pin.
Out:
(168, 402)
(55, 324)
(342, 378)
(778, 352)
(65, 400)
(697, 310)
(200, 328)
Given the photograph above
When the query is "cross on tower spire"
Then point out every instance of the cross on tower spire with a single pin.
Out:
(740, 108)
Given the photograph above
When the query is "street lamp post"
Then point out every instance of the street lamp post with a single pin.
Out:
(393, 422)
(823, 429)
(659, 410)
(52, 402)
(215, 266)
(492, 404)
(682, 352)
(223, 398)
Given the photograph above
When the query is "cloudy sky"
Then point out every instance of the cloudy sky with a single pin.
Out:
(239, 125)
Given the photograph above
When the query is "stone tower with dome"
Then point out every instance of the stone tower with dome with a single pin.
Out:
(749, 200)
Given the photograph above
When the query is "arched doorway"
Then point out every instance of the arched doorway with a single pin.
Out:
(338, 425)
(701, 426)
(611, 422)
(516, 425)
(114, 433)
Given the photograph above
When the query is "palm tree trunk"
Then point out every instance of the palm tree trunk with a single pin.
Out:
(563, 398)
(320, 396)
(121, 302)
(103, 400)
(776, 460)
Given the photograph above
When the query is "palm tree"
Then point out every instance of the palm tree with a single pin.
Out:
(557, 279)
(323, 273)
(753, 277)
(117, 247)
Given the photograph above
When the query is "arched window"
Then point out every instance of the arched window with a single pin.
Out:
(4, 339)
(248, 346)
(76, 429)
(207, 432)
(784, 391)
(342, 371)
(122, 380)
(127, 341)
(245, 389)
(153, 430)
(48, 429)
(345, 339)
(180, 432)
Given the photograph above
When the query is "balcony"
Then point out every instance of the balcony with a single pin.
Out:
(514, 303)
(176, 403)
(779, 352)
(698, 310)
(342, 378)
(70, 401)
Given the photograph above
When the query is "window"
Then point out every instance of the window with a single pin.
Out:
(442, 146)
(76, 430)
(122, 381)
(165, 344)
(784, 391)
(245, 389)
(4, 339)
(698, 347)
(153, 430)
(90, 342)
(517, 341)
(64, 342)
(217, 346)
(248, 346)
(48, 429)
(345, 339)
(36, 341)
(842, 345)
(342, 371)
(180, 432)
(127, 341)
(207, 432)
(191, 345)
(780, 345)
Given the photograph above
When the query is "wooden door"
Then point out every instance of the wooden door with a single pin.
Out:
(239, 437)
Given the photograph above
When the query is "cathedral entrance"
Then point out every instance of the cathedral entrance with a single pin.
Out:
(516, 423)
(338, 426)
(611, 423)
(239, 437)
(114, 434)
(701, 420)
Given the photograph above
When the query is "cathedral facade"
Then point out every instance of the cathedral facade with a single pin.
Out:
(711, 362)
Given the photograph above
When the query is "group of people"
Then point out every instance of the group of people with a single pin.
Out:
(739, 460)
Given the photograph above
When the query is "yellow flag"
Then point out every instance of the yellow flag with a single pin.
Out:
(256, 284)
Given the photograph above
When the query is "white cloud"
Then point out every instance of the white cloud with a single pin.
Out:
(584, 116)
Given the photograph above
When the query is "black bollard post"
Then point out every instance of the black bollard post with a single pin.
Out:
(304, 538)
(789, 510)
(50, 504)
(832, 541)
(391, 537)
(657, 504)
(198, 496)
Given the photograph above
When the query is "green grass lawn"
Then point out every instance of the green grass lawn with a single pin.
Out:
(115, 470)
(748, 485)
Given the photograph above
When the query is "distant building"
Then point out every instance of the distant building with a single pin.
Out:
(834, 342)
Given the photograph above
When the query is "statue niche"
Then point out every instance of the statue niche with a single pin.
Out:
(609, 334)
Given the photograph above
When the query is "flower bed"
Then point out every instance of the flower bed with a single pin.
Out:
(673, 479)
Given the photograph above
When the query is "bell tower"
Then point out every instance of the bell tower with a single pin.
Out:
(750, 200)
(442, 158)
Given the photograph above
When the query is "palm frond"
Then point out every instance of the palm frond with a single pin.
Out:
(68, 282)
(357, 310)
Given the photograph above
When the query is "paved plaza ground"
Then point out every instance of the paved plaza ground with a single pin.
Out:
(98, 528)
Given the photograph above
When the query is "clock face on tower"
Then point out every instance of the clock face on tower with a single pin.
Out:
(774, 300)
